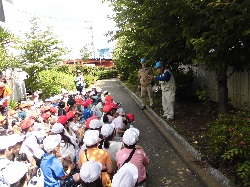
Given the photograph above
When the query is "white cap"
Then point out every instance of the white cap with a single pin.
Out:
(107, 129)
(120, 111)
(57, 128)
(48, 100)
(40, 134)
(90, 171)
(91, 137)
(127, 176)
(71, 93)
(52, 98)
(57, 97)
(131, 136)
(95, 124)
(51, 142)
(93, 86)
(99, 90)
(105, 92)
(15, 138)
(64, 91)
(14, 172)
(6, 141)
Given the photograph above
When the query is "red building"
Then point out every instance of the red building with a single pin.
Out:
(91, 62)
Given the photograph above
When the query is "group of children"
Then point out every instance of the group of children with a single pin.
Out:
(71, 139)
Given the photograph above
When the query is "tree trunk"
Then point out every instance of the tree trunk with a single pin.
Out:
(222, 91)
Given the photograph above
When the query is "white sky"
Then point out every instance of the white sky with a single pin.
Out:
(70, 19)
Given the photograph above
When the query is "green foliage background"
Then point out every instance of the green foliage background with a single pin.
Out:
(51, 82)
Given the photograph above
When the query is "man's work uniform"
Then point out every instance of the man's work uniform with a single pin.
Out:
(167, 82)
(146, 87)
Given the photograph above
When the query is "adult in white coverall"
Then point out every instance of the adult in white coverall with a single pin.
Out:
(167, 82)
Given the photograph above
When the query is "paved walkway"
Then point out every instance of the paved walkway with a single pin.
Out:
(166, 168)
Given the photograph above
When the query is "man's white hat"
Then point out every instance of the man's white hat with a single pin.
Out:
(91, 137)
(90, 171)
(14, 172)
(107, 129)
(127, 176)
(95, 124)
(131, 136)
(51, 142)
(93, 86)
(57, 128)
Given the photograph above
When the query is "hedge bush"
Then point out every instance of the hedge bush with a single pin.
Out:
(229, 143)
(185, 87)
(51, 82)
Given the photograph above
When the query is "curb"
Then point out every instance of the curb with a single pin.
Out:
(208, 176)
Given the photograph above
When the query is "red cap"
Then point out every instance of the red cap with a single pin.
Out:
(53, 110)
(113, 105)
(108, 98)
(62, 119)
(131, 117)
(44, 109)
(45, 116)
(26, 123)
(71, 114)
(89, 119)
(87, 102)
(108, 102)
(107, 108)
(78, 101)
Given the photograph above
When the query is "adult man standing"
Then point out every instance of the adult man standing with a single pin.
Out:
(167, 82)
(79, 81)
(145, 75)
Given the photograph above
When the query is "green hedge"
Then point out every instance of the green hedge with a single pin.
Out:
(51, 82)
(229, 144)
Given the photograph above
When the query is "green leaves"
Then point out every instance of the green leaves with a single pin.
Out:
(41, 47)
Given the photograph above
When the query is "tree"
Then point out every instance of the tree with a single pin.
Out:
(85, 53)
(210, 32)
(41, 47)
(224, 41)
(7, 39)
(40, 50)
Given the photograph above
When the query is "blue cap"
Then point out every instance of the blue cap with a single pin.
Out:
(143, 60)
(158, 64)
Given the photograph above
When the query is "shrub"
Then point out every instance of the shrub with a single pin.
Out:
(51, 82)
(13, 105)
(184, 84)
(229, 142)
(133, 78)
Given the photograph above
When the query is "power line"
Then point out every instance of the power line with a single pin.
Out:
(51, 17)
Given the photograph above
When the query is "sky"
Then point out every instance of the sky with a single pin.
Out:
(71, 21)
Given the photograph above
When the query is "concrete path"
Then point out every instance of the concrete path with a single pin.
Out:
(170, 164)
